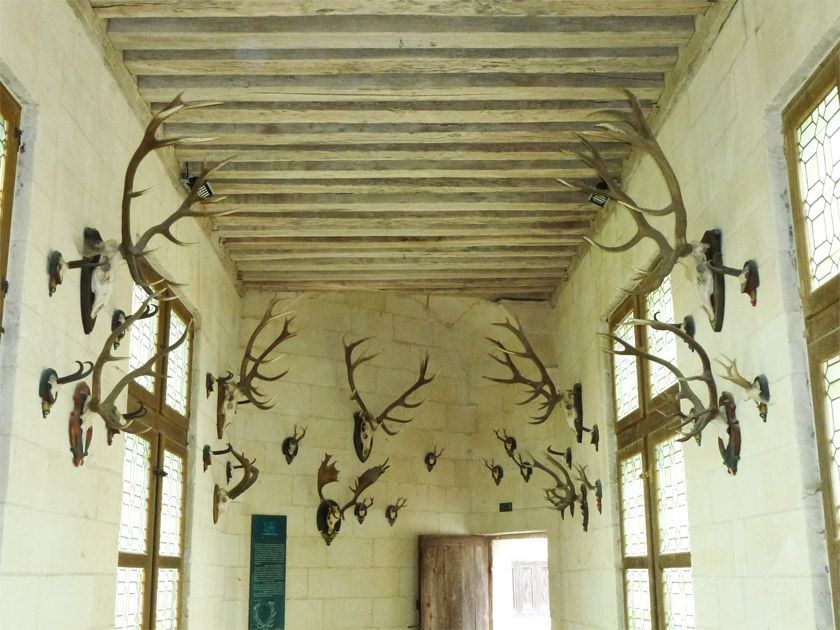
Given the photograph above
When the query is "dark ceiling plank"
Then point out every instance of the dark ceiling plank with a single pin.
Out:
(459, 8)
(439, 253)
(384, 242)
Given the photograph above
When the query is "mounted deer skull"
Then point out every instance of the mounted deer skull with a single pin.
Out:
(51, 381)
(291, 444)
(365, 423)
(250, 474)
(496, 471)
(244, 391)
(392, 511)
(543, 387)
(508, 440)
(599, 491)
(757, 391)
(101, 257)
(699, 415)
(106, 407)
(361, 509)
(78, 447)
(432, 458)
(330, 515)
(525, 468)
(638, 135)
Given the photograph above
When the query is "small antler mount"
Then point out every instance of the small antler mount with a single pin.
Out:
(250, 474)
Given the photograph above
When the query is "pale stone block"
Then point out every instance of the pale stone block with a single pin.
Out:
(371, 323)
(306, 613)
(347, 613)
(411, 330)
(408, 306)
(373, 583)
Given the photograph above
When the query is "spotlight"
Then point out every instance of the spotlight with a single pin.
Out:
(204, 191)
(599, 200)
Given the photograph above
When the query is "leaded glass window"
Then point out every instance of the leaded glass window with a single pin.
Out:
(672, 501)
(129, 608)
(177, 362)
(638, 600)
(135, 503)
(633, 504)
(831, 375)
(167, 600)
(679, 599)
(10, 112)
(626, 374)
(143, 344)
(818, 141)
(659, 305)
(171, 502)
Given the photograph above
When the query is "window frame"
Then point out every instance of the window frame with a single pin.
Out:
(166, 430)
(821, 306)
(639, 432)
(10, 111)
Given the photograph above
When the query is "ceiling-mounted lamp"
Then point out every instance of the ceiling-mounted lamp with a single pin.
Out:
(204, 191)
(599, 200)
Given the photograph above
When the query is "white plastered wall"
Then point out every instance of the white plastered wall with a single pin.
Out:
(59, 524)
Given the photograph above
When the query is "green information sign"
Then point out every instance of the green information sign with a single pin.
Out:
(267, 603)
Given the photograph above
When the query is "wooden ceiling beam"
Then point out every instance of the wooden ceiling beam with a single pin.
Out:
(372, 229)
(375, 265)
(427, 209)
(335, 242)
(373, 186)
(171, 63)
(454, 8)
(493, 252)
(281, 171)
(404, 275)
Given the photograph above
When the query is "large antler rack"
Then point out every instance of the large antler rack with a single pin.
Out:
(638, 134)
(700, 414)
(135, 252)
(245, 390)
(365, 422)
(106, 407)
(542, 387)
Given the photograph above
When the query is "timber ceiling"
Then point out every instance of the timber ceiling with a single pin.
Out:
(399, 145)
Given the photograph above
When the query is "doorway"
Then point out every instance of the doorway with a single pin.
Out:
(520, 584)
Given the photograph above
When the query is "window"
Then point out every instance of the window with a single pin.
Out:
(812, 146)
(9, 144)
(151, 540)
(652, 491)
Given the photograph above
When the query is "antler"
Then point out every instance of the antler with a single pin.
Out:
(363, 482)
(135, 253)
(401, 401)
(700, 415)
(249, 370)
(639, 136)
(539, 388)
(732, 375)
(249, 474)
(581, 475)
(327, 473)
(563, 494)
(106, 408)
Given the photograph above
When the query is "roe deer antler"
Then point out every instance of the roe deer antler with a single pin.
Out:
(563, 495)
(639, 136)
(392, 511)
(106, 407)
(135, 252)
(365, 422)
(543, 387)
(758, 390)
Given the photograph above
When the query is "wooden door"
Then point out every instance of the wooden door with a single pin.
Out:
(454, 582)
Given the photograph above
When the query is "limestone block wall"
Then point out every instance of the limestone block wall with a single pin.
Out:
(367, 578)
(59, 524)
(757, 542)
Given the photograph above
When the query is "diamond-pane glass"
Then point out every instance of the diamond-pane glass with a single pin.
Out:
(177, 362)
(831, 373)
(818, 141)
(671, 497)
(679, 599)
(143, 340)
(638, 599)
(633, 506)
(135, 498)
(626, 383)
(3, 130)
(170, 505)
(129, 609)
(167, 600)
(661, 343)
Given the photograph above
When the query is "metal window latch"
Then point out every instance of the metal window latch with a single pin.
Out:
(18, 133)
(159, 472)
(4, 285)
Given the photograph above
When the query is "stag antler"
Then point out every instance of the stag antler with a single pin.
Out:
(701, 415)
(758, 390)
(135, 252)
(106, 407)
(539, 388)
(639, 136)
(508, 440)
(365, 422)
(563, 494)
(526, 469)
(249, 370)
